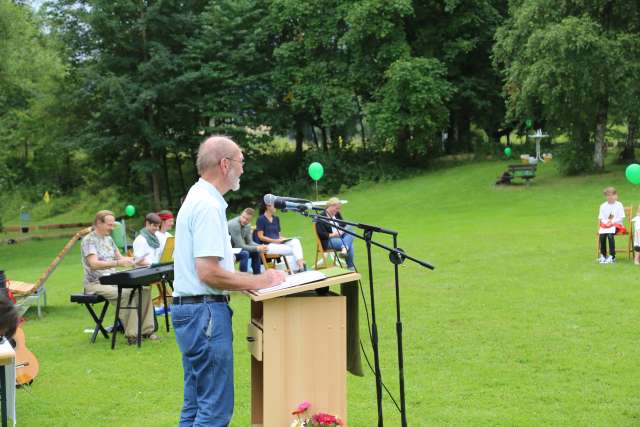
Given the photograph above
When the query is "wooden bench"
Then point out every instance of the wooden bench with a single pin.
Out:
(524, 172)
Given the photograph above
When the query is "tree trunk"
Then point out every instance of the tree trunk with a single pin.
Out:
(362, 134)
(459, 132)
(402, 148)
(299, 138)
(153, 176)
(315, 137)
(601, 129)
(166, 177)
(155, 182)
(628, 154)
(325, 145)
(183, 189)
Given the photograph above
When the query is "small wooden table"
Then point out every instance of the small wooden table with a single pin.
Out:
(7, 382)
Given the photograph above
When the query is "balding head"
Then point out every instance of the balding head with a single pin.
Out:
(213, 150)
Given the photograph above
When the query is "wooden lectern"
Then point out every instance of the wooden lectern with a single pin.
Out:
(298, 343)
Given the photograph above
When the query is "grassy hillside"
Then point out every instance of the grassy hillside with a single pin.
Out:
(518, 324)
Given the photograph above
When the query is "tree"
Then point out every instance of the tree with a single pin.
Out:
(30, 73)
(460, 33)
(564, 59)
(130, 57)
(410, 108)
(311, 70)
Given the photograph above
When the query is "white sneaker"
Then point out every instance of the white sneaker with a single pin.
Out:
(602, 259)
(610, 260)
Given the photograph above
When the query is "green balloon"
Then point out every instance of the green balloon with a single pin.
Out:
(633, 173)
(130, 210)
(316, 171)
(507, 151)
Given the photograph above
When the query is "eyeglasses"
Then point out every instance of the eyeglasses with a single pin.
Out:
(242, 162)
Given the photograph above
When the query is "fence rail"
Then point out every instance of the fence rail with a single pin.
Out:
(18, 228)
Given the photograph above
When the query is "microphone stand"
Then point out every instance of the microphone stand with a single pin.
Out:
(396, 256)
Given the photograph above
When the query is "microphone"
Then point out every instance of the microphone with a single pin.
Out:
(287, 203)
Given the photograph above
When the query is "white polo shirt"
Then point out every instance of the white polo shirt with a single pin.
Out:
(201, 231)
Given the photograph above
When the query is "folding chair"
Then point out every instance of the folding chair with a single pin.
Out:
(326, 253)
(628, 235)
(166, 256)
(270, 261)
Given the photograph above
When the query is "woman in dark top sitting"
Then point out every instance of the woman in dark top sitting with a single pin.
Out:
(331, 237)
(268, 233)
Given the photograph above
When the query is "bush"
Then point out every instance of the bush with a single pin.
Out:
(574, 158)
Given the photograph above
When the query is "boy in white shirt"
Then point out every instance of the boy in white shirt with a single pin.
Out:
(611, 216)
(147, 246)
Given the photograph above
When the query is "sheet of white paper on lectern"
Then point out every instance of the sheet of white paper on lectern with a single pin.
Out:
(295, 280)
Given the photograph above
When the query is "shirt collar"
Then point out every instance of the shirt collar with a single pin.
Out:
(211, 189)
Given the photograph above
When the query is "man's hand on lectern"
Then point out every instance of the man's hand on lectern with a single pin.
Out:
(273, 277)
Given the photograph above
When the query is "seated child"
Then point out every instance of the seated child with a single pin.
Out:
(504, 179)
(636, 237)
(610, 216)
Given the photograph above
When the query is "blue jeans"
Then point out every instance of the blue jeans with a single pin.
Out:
(205, 338)
(337, 243)
(243, 257)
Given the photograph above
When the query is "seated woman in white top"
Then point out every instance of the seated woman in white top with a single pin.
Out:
(147, 246)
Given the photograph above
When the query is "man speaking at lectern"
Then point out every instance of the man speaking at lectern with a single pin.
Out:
(203, 276)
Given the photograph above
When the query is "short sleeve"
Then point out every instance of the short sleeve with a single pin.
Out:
(278, 224)
(88, 247)
(208, 231)
(260, 223)
(140, 247)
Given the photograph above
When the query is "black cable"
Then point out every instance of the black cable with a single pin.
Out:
(366, 309)
(373, 372)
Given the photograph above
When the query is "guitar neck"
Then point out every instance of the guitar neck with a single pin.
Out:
(51, 268)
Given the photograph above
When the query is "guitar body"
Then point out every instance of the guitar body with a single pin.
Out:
(27, 365)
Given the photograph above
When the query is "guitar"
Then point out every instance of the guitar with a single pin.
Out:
(27, 365)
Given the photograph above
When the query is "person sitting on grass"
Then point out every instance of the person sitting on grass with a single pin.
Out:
(268, 232)
(611, 216)
(100, 256)
(504, 179)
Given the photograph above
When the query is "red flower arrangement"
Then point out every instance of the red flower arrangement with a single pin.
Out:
(319, 419)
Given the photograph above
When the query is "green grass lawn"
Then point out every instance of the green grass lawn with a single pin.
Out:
(518, 324)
